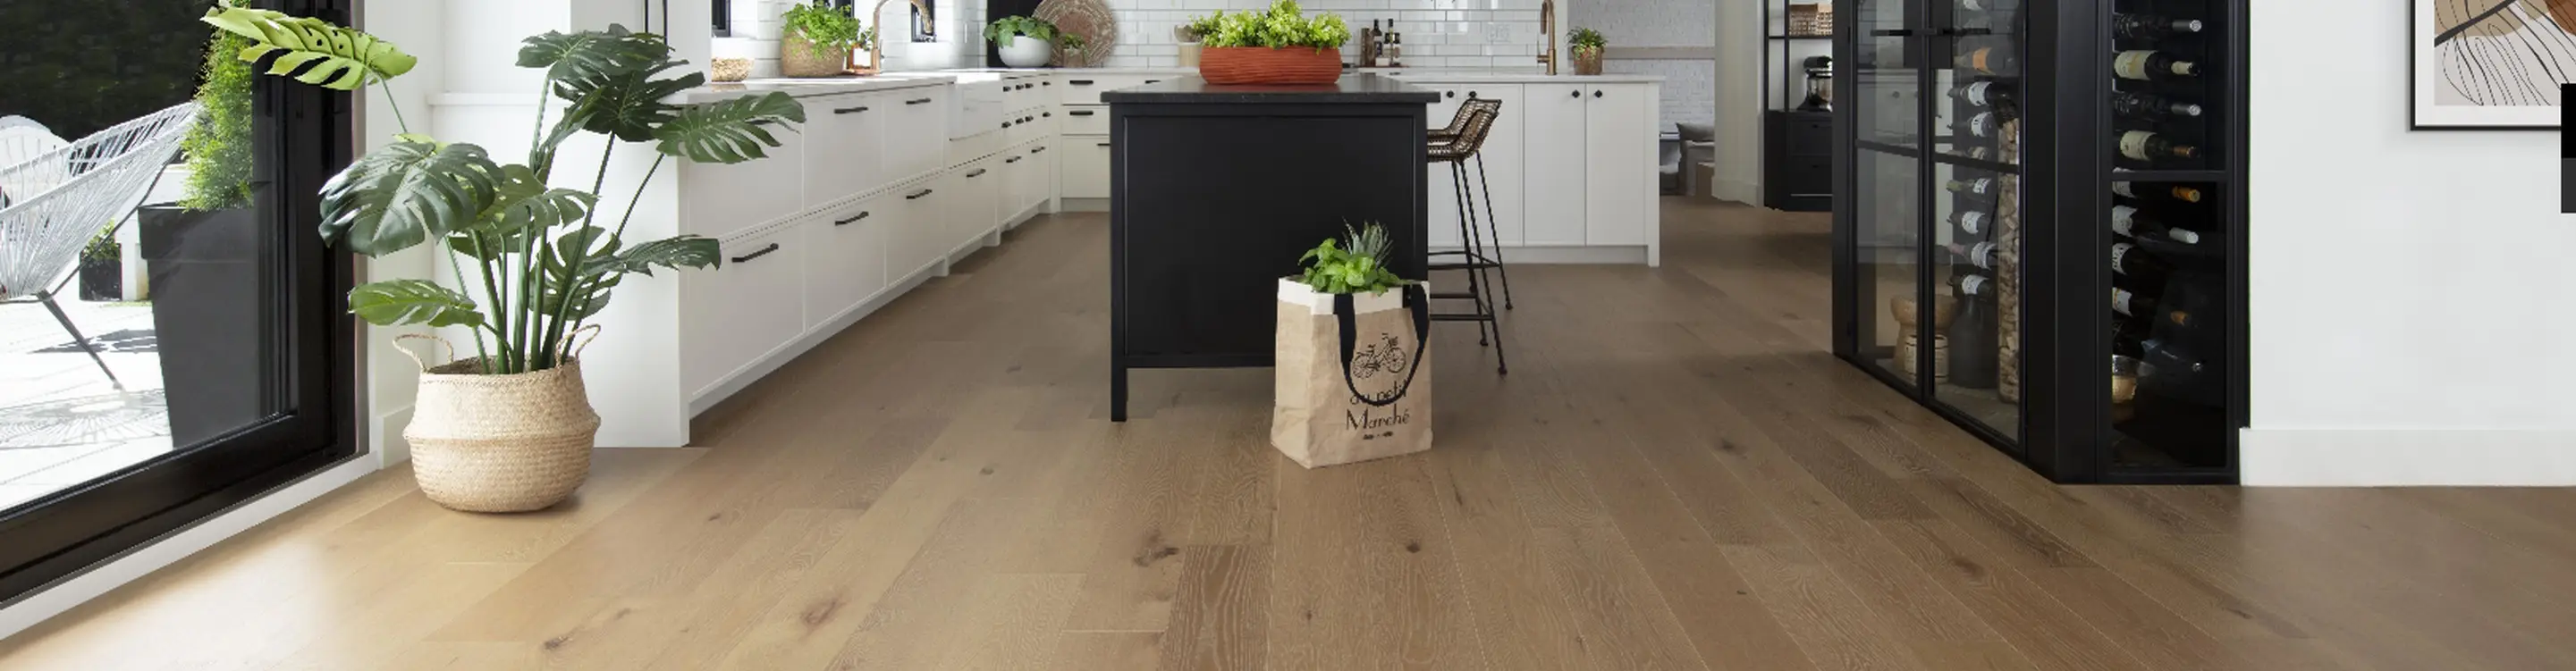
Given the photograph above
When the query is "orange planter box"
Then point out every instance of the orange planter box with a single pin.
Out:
(1263, 65)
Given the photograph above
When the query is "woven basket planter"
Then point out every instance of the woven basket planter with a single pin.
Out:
(1260, 65)
(1587, 61)
(501, 443)
(798, 58)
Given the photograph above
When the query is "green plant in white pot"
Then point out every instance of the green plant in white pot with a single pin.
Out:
(510, 429)
(1024, 41)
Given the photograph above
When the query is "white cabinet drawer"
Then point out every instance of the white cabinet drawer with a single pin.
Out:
(744, 310)
(1026, 92)
(962, 150)
(1086, 120)
(846, 135)
(719, 200)
(1029, 124)
(916, 133)
(1085, 166)
(1085, 88)
(845, 260)
(912, 228)
(977, 207)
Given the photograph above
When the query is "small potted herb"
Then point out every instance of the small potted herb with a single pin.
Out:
(1587, 45)
(1348, 381)
(1072, 50)
(1191, 36)
(818, 40)
(102, 268)
(1024, 41)
(1276, 46)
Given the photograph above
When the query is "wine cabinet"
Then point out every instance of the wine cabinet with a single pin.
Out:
(2042, 232)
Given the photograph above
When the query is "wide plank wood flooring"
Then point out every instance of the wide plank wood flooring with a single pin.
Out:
(1676, 475)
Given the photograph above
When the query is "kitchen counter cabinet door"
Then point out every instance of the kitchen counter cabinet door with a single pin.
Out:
(846, 260)
(912, 229)
(1619, 155)
(719, 200)
(1086, 166)
(1552, 147)
(741, 312)
(847, 138)
(916, 133)
(976, 207)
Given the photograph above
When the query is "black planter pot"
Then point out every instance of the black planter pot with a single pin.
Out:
(102, 280)
(208, 312)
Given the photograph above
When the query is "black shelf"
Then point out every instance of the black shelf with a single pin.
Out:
(2036, 187)
(1797, 146)
(1802, 37)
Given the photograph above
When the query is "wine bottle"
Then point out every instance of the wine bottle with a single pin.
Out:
(2140, 267)
(1980, 255)
(1990, 60)
(1983, 124)
(2152, 66)
(2149, 105)
(2128, 221)
(2180, 193)
(2128, 337)
(2129, 303)
(1988, 93)
(2147, 145)
(1990, 5)
(2148, 27)
(1982, 153)
(1973, 349)
(1971, 222)
(1982, 186)
(2173, 371)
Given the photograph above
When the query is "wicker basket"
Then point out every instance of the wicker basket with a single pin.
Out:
(1261, 65)
(500, 443)
(1814, 20)
(799, 58)
(729, 69)
(1587, 61)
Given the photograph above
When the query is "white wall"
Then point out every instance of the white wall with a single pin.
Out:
(1685, 33)
(2408, 287)
(1736, 91)
(960, 30)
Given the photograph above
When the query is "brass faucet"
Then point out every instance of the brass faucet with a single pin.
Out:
(1547, 31)
(876, 47)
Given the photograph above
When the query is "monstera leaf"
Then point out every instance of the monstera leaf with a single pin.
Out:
(324, 54)
(732, 131)
(687, 251)
(407, 302)
(401, 195)
(592, 54)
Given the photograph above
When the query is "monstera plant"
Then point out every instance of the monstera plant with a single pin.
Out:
(511, 428)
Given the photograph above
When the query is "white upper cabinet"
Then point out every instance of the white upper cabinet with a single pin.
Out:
(1553, 133)
(847, 133)
(1619, 148)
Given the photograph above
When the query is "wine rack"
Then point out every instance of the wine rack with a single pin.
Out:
(2064, 222)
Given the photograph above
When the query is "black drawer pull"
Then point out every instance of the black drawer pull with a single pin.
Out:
(1014, 159)
(1006, 124)
(1037, 150)
(1046, 83)
(1104, 144)
(917, 196)
(851, 220)
(764, 251)
(1596, 94)
(978, 172)
(1049, 115)
(1449, 94)
(1574, 94)
(1153, 81)
(1080, 82)
(1471, 95)
(850, 110)
(916, 101)
(1082, 112)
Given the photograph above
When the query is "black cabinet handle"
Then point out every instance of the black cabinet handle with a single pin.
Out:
(851, 220)
(1046, 83)
(1574, 94)
(1037, 150)
(1596, 94)
(1006, 124)
(1471, 95)
(764, 251)
(1080, 82)
(1014, 159)
(916, 101)
(1104, 144)
(978, 172)
(1049, 115)
(1452, 94)
(1153, 81)
(1082, 112)
(917, 196)
(850, 110)
(1027, 119)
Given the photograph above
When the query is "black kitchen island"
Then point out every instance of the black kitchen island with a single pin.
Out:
(1215, 191)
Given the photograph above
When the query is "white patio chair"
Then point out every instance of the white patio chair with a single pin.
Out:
(61, 199)
(22, 139)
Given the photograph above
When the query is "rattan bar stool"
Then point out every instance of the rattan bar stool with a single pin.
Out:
(1477, 117)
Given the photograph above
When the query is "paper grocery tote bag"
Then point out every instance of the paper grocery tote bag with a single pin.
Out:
(1352, 381)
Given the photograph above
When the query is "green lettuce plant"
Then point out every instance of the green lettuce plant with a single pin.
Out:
(544, 260)
(218, 147)
(1586, 39)
(1036, 28)
(825, 27)
(1279, 27)
(1355, 264)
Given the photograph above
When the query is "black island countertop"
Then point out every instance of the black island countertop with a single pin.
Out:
(1367, 89)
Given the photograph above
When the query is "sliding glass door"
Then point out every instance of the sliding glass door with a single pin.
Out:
(171, 334)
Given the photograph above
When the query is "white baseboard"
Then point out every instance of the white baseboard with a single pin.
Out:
(64, 594)
(1083, 205)
(1742, 192)
(385, 433)
(2407, 457)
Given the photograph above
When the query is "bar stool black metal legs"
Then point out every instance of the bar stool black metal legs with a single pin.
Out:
(1475, 261)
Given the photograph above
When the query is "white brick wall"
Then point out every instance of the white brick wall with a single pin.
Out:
(756, 29)
(1690, 86)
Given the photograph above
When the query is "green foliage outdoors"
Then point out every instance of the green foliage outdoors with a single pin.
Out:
(827, 27)
(103, 246)
(1356, 264)
(1586, 39)
(218, 147)
(545, 261)
(80, 66)
(1036, 28)
(1279, 27)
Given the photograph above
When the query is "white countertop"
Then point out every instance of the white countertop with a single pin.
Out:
(815, 87)
(909, 79)
(1501, 76)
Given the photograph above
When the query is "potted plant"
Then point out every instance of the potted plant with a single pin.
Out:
(1349, 383)
(817, 40)
(1025, 42)
(1587, 45)
(1072, 50)
(1277, 46)
(511, 428)
(1190, 35)
(201, 257)
(102, 268)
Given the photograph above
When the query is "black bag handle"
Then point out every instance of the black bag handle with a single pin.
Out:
(1345, 315)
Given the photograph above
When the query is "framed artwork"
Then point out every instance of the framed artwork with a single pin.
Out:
(2491, 63)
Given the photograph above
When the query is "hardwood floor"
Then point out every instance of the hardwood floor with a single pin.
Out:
(1675, 476)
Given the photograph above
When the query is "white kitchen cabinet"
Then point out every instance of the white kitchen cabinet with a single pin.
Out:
(913, 229)
(1086, 120)
(722, 200)
(1086, 166)
(1084, 88)
(741, 312)
(843, 133)
(1027, 178)
(1552, 137)
(917, 133)
(1619, 152)
(1443, 179)
(968, 206)
(845, 260)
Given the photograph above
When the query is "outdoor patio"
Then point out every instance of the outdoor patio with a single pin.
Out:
(61, 421)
